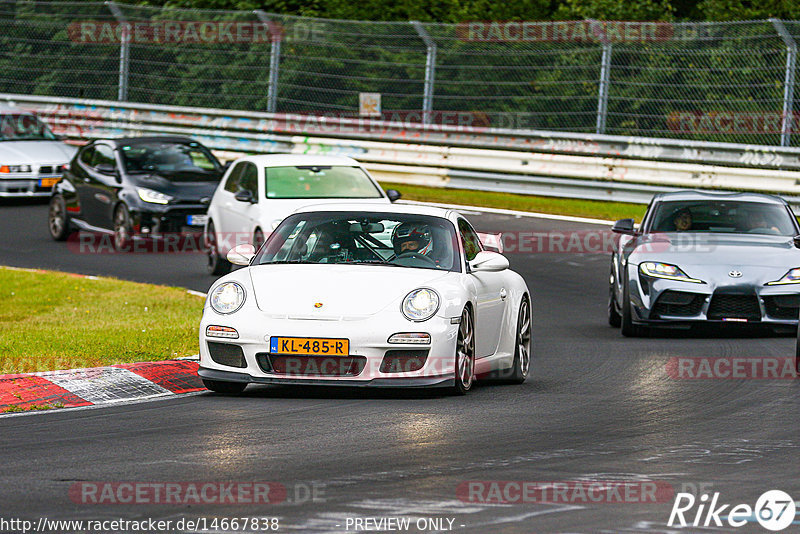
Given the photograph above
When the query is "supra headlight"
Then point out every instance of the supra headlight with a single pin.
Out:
(792, 277)
(227, 298)
(154, 197)
(420, 304)
(665, 270)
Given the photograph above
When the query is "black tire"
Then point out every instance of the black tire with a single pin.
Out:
(123, 229)
(227, 388)
(797, 351)
(465, 354)
(216, 265)
(628, 328)
(58, 219)
(523, 354)
(614, 317)
(258, 238)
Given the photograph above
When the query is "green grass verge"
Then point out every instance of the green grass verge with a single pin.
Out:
(54, 320)
(594, 209)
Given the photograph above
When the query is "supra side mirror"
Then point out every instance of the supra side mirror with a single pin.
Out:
(244, 196)
(487, 261)
(241, 254)
(393, 195)
(624, 226)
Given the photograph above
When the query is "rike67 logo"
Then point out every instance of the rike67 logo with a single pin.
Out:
(774, 510)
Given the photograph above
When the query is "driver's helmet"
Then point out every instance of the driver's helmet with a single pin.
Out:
(411, 232)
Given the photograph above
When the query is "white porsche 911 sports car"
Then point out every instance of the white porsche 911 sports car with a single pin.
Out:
(367, 296)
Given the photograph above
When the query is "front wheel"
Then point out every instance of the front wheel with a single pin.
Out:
(216, 265)
(614, 318)
(628, 328)
(228, 388)
(522, 351)
(465, 354)
(58, 220)
(123, 228)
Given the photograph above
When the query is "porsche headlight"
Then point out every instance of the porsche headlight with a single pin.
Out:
(420, 304)
(665, 270)
(792, 277)
(227, 298)
(154, 197)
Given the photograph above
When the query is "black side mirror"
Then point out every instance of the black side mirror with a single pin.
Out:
(393, 195)
(226, 165)
(796, 240)
(244, 196)
(624, 226)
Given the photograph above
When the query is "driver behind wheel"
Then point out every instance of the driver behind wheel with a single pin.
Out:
(411, 238)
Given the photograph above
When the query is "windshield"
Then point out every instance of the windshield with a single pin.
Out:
(724, 217)
(24, 127)
(319, 182)
(394, 240)
(188, 162)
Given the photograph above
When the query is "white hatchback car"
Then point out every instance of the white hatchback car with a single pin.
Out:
(358, 295)
(258, 192)
(32, 158)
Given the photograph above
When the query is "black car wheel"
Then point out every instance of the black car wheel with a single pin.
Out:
(258, 238)
(614, 317)
(228, 388)
(465, 354)
(628, 328)
(123, 228)
(215, 264)
(58, 219)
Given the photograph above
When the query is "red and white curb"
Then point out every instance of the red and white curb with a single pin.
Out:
(99, 385)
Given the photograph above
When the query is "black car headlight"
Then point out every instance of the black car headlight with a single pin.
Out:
(666, 271)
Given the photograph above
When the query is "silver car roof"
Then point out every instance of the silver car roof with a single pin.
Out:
(692, 195)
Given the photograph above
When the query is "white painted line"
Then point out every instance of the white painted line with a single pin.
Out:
(104, 405)
(196, 293)
(105, 384)
(515, 213)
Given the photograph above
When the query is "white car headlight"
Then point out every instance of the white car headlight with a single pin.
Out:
(665, 270)
(154, 197)
(420, 304)
(227, 298)
(792, 277)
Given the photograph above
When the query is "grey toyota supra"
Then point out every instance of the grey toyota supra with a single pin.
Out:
(702, 257)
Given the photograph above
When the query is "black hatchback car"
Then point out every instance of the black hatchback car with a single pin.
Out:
(135, 187)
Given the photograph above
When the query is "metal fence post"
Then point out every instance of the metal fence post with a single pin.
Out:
(430, 71)
(274, 59)
(124, 51)
(605, 76)
(788, 82)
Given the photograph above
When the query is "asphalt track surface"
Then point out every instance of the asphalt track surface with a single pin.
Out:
(598, 407)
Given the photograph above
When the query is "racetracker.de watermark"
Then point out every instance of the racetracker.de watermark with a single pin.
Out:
(182, 493)
(732, 367)
(580, 31)
(565, 491)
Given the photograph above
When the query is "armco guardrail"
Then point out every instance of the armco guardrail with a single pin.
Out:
(539, 162)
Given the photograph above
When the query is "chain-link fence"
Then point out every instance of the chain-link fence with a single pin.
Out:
(710, 81)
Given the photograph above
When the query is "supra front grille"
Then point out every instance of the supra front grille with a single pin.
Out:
(678, 303)
(783, 306)
(311, 365)
(726, 306)
(226, 354)
(403, 361)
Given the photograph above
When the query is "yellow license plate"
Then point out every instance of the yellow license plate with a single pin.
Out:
(48, 182)
(309, 346)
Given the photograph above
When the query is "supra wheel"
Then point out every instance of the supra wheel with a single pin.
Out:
(218, 386)
(465, 354)
(123, 228)
(614, 318)
(628, 328)
(522, 350)
(215, 264)
(57, 219)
